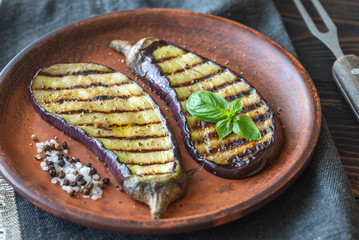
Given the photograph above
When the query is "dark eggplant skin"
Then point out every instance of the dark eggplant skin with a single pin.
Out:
(157, 192)
(140, 60)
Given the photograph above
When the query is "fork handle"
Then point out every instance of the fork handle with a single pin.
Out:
(346, 75)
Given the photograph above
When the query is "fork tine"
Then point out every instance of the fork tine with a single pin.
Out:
(329, 38)
(307, 19)
(324, 15)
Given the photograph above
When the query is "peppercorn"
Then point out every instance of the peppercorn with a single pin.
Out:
(47, 148)
(106, 181)
(89, 185)
(82, 182)
(57, 146)
(73, 184)
(72, 192)
(66, 182)
(52, 172)
(52, 146)
(64, 145)
(76, 160)
(34, 137)
(51, 167)
(93, 171)
(87, 191)
(61, 155)
(70, 160)
(88, 165)
(61, 163)
(62, 175)
(50, 163)
(79, 177)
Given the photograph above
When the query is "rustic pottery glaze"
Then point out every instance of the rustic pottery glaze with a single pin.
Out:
(210, 200)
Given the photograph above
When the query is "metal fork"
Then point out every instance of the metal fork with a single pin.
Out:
(346, 68)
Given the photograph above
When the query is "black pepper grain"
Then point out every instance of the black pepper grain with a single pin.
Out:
(61, 163)
(93, 171)
(87, 191)
(64, 145)
(79, 177)
(82, 182)
(62, 175)
(52, 172)
(66, 182)
(47, 148)
(106, 181)
(73, 184)
(88, 165)
(72, 192)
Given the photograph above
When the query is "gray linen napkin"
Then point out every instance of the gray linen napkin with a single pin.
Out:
(319, 205)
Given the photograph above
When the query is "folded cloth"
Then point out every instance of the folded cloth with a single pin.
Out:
(319, 205)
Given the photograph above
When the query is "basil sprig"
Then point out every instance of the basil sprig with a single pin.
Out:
(210, 107)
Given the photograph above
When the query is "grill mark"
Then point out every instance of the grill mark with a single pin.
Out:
(253, 106)
(133, 137)
(97, 98)
(263, 117)
(201, 79)
(149, 163)
(239, 95)
(84, 86)
(152, 173)
(83, 73)
(185, 68)
(228, 98)
(235, 159)
(82, 111)
(235, 143)
(143, 150)
(108, 127)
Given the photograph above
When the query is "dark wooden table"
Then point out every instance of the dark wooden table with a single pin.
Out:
(318, 61)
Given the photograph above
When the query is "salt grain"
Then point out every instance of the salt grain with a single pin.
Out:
(68, 169)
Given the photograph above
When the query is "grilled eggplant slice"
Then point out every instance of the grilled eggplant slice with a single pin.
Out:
(120, 123)
(175, 73)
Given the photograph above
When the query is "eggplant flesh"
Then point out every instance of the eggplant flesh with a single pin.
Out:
(175, 73)
(115, 118)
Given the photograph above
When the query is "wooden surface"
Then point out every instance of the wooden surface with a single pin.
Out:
(318, 60)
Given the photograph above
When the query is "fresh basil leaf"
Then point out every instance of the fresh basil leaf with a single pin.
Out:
(245, 127)
(207, 106)
(236, 106)
(224, 127)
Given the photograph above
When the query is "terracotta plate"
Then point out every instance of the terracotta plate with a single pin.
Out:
(210, 200)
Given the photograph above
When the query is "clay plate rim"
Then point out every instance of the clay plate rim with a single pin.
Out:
(170, 225)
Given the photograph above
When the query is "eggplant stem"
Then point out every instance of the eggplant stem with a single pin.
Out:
(122, 46)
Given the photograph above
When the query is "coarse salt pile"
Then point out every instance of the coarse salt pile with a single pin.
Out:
(69, 172)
